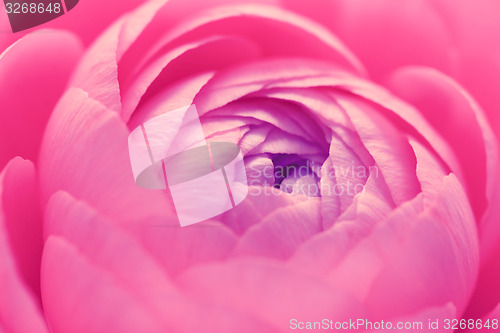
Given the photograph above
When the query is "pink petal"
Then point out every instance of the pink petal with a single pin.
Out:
(325, 250)
(283, 115)
(80, 296)
(279, 142)
(204, 36)
(393, 29)
(76, 20)
(269, 291)
(178, 249)
(320, 106)
(30, 88)
(270, 27)
(171, 15)
(19, 307)
(417, 258)
(281, 232)
(346, 167)
(487, 293)
(231, 84)
(260, 170)
(430, 172)
(170, 98)
(479, 70)
(390, 150)
(453, 112)
(182, 62)
(23, 220)
(87, 287)
(103, 56)
(85, 153)
(260, 202)
(492, 317)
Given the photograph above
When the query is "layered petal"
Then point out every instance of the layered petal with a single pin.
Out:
(30, 88)
(84, 277)
(23, 220)
(85, 153)
(20, 309)
(270, 292)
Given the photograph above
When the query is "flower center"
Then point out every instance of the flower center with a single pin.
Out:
(296, 175)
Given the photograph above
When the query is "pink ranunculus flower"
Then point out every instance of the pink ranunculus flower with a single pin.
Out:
(372, 190)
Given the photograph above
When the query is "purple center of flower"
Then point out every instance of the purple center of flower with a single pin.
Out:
(296, 175)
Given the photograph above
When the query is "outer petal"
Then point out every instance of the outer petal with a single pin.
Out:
(19, 307)
(402, 253)
(423, 253)
(474, 27)
(270, 291)
(102, 57)
(178, 248)
(492, 317)
(394, 29)
(23, 220)
(30, 87)
(487, 293)
(97, 277)
(77, 20)
(83, 243)
(85, 153)
(452, 112)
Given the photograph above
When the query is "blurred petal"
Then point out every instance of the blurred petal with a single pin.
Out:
(103, 56)
(269, 291)
(324, 251)
(19, 306)
(85, 152)
(491, 317)
(487, 293)
(71, 281)
(180, 248)
(270, 27)
(97, 277)
(453, 112)
(30, 88)
(474, 29)
(393, 29)
(169, 98)
(401, 253)
(281, 232)
(76, 20)
(182, 62)
(23, 220)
